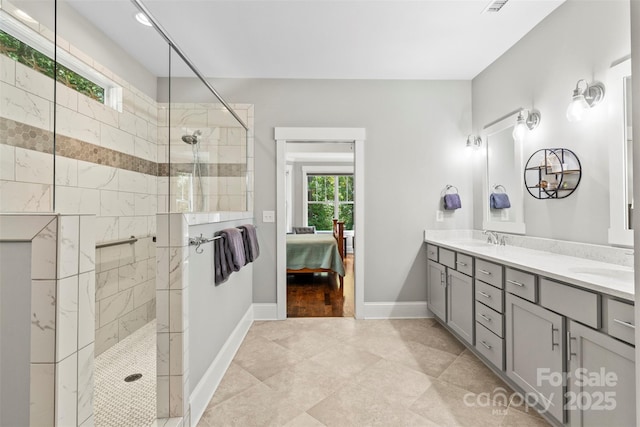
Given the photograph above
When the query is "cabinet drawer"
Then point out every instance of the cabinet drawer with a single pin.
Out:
(621, 320)
(464, 264)
(489, 318)
(490, 346)
(489, 296)
(489, 272)
(520, 283)
(432, 252)
(576, 304)
(447, 257)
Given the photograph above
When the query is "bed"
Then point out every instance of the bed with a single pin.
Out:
(317, 253)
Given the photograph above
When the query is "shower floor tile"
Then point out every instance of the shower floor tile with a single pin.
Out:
(116, 402)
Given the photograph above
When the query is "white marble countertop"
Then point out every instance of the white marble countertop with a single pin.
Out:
(603, 277)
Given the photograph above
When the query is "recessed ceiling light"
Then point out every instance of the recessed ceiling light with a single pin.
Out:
(25, 17)
(142, 18)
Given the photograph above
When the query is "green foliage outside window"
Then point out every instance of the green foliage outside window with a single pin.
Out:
(320, 215)
(322, 201)
(25, 54)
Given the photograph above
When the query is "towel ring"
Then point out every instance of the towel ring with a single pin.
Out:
(449, 187)
(500, 187)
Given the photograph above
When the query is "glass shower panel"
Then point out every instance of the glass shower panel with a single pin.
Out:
(107, 120)
(27, 88)
(207, 147)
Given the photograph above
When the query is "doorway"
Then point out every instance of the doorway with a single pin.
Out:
(322, 188)
(354, 136)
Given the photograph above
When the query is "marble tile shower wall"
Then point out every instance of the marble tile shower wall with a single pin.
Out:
(62, 310)
(109, 163)
(106, 164)
(226, 153)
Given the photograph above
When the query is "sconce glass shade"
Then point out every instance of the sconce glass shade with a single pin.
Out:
(577, 108)
(474, 142)
(530, 122)
(519, 129)
(583, 99)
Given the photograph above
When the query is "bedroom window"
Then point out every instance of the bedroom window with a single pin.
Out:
(328, 197)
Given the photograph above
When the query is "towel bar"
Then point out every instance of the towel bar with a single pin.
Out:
(200, 240)
(131, 239)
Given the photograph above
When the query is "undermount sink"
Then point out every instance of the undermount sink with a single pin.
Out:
(604, 272)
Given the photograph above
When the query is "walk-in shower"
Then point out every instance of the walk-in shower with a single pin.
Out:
(194, 140)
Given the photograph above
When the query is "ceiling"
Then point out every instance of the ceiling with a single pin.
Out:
(321, 39)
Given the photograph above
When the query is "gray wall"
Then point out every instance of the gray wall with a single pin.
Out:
(415, 146)
(579, 40)
(15, 333)
(214, 311)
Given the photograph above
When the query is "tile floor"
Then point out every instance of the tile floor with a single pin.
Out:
(343, 372)
(127, 404)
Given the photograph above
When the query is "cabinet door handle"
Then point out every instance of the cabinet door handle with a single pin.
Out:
(553, 343)
(488, 347)
(464, 264)
(488, 273)
(442, 278)
(569, 352)
(513, 282)
(488, 319)
(623, 323)
(484, 294)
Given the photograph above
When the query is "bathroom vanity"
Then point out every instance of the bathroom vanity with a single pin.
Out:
(559, 329)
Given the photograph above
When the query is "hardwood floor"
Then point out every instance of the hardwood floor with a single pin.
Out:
(320, 295)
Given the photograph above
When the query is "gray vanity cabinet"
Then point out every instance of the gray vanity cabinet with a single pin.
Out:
(460, 304)
(535, 349)
(600, 380)
(437, 289)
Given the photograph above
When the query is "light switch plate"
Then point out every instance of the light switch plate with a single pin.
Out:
(504, 215)
(268, 216)
(439, 216)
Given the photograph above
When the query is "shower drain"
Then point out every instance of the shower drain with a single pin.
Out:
(132, 378)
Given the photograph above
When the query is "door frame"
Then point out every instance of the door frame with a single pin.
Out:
(310, 134)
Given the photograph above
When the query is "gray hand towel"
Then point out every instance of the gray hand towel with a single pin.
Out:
(222, 264)
(452, 201)
(250, 238)
(499, 201)
(234, 245)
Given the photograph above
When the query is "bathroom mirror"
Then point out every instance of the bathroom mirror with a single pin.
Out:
(621, 157)
(503, 174)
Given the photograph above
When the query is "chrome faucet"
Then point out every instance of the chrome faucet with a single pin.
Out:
(492, 237)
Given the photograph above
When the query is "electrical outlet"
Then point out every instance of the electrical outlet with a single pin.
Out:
(439, 216)
(504, 215)
(268, 216)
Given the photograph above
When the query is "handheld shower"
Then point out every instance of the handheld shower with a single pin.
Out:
(197, 173)
(192, 139)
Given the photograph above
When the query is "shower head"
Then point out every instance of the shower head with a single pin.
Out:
(192, 139)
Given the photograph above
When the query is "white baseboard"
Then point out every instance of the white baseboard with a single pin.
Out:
(210, 381)
(265, 311)
(396, 310)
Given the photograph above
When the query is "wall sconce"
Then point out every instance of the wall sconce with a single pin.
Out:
(583, 99)
(530, 121)
(474, 142)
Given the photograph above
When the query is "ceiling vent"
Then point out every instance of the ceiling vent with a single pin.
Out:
(495, 6)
